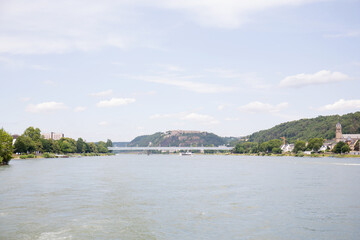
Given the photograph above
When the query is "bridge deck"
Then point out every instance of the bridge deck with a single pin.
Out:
(168, 148)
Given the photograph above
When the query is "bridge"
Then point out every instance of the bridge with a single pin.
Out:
(173, 149)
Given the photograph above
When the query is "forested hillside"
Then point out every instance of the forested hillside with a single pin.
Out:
(178, 138)
(304, 129)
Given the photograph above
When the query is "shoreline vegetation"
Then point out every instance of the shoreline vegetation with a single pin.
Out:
(32, 144)
(314, 155)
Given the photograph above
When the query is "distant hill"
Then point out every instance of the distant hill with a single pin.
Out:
(322, 126)
(178, 138)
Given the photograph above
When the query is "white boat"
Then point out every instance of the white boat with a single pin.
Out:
(186, 153)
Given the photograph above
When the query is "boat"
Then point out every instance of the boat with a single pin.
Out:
(186, 153)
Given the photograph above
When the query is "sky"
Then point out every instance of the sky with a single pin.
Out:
(118, 69)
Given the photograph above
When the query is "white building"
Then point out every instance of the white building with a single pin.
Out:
(287, 147)
(53, 136)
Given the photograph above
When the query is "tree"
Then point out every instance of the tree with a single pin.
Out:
(109, 143)
(92, 147)
(345, 149)
(67, 145)
(276, 150)
(55, 146)
(299, 146)
(80, 146)
(101, 147)
(314, 144)
(6, 147)
(338, 147)
(24, 144)
(46, 145)
(33, 133)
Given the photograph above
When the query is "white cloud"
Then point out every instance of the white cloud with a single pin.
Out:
(199, 87)
(45, 107)
(114, 102)
(200, 118)
(321, 77)
(256, 106)
(342, 105)
(79, 109)
(103, 123)
(64, 26)
(166, 115)
(102, 94)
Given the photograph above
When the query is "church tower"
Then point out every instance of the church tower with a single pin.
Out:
(338, 135)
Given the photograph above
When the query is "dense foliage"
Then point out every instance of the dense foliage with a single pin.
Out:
(304, 129)
(6, 147)
(31, 141)
(272, 146)
(181, 139)
(341, 147)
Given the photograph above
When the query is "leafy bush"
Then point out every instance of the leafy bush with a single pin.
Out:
(48, 155)
(27, 156)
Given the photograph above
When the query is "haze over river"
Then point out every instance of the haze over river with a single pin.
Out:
(178, 197)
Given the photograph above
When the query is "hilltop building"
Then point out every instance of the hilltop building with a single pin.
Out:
(53, 136)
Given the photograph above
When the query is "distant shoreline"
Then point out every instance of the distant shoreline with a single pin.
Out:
(17, 157)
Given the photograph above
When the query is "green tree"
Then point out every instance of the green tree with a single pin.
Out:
(345, 149)
(276, 150)
(338, 147)
(46, 145)
(55, 146)
(299, 146)
(80, 146)
(109, 143)
(33, 133)
(24, 144)
(67, 145)
(101, 147)
(6, 147)
(314, 144)
(93, 147)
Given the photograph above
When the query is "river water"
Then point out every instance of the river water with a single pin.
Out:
(180, 197)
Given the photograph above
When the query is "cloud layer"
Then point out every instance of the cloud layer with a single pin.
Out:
(321, 77)
(45, 107)
(114, 102)
(342, 105)
(42, 28)
(258, 107)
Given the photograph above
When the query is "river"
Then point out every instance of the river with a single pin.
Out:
(180, 197)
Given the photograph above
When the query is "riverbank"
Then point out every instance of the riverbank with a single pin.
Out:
(52, 155)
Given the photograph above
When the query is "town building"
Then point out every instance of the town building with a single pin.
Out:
(350, 139)
(53, 136)
(287, 147)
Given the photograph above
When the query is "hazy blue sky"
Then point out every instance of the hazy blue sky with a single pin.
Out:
(118, 69)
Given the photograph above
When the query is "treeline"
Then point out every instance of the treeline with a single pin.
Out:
(305, 129)
(271, 146)
(274, 146)
(31, 141)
